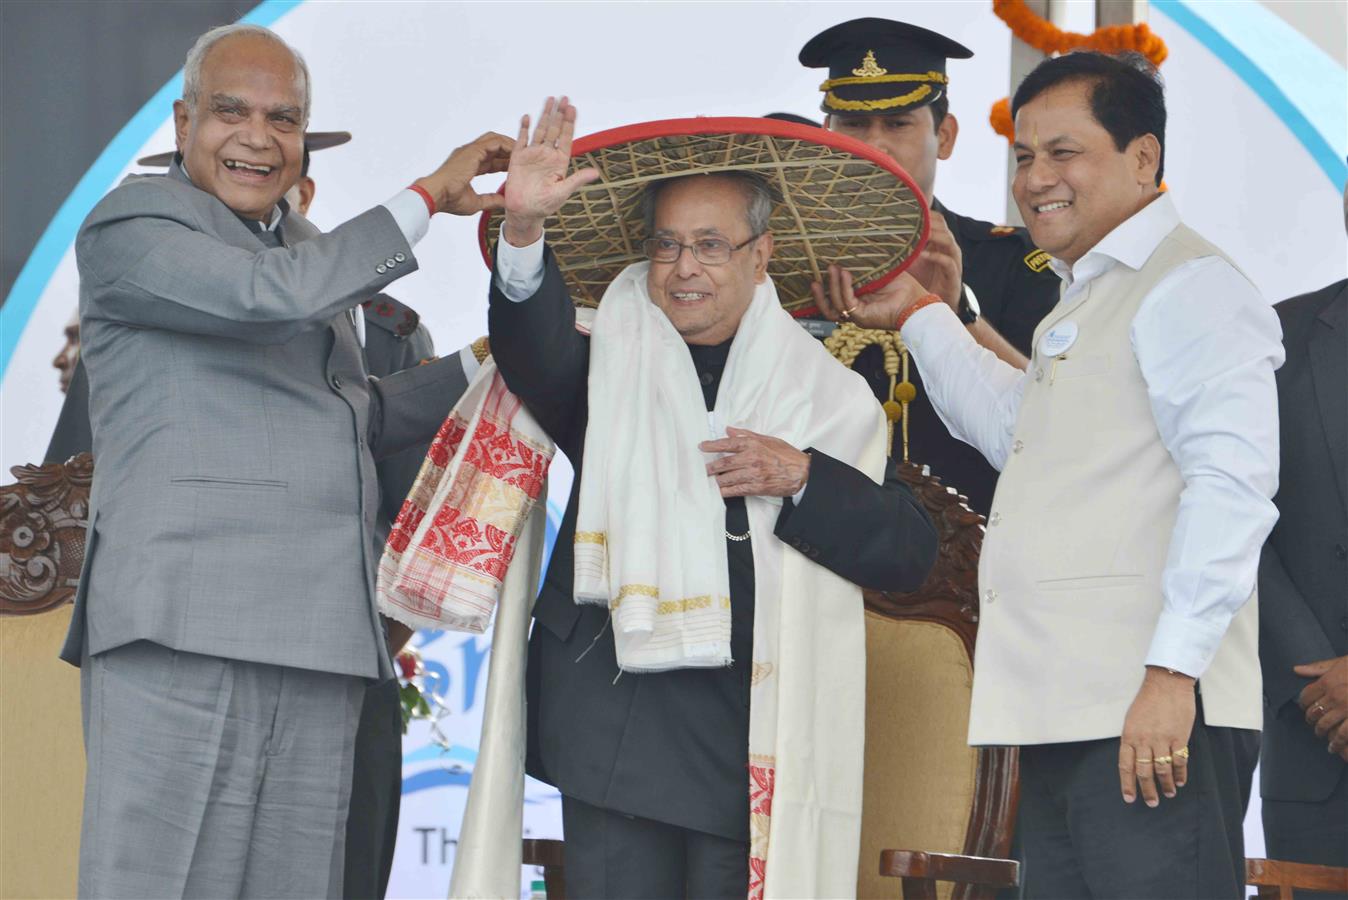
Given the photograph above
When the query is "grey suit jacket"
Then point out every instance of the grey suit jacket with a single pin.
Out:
(236, 430)
(1303, 571)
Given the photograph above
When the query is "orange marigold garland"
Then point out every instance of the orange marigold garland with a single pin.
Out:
(1046, 37)
(1000, 119)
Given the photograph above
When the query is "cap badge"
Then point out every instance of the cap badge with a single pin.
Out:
(869, 68)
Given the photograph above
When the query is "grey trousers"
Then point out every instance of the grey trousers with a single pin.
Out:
(212, 777)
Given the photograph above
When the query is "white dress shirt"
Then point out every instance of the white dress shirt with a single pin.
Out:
(519, 270)
(1207, 345)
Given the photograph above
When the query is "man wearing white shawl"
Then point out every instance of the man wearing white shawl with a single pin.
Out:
(696, 676)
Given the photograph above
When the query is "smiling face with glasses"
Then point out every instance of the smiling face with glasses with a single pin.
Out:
(705, 258)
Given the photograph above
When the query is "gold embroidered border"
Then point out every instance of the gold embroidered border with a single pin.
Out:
(884, 79)
(667, 607)
(833, 101)
(591, 537)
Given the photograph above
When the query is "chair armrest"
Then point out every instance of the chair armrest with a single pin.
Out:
(1276, 878)
(542, 852)
(980, 870)
(548, 855)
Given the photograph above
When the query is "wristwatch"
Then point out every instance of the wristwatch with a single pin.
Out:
(968, 311)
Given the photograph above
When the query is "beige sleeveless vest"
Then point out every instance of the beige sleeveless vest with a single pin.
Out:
(1070, 574)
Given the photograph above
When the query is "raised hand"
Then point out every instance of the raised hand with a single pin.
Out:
(877, 309)
(536, 182)
(451, 184)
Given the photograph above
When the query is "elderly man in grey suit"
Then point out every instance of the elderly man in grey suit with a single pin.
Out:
(225, 620)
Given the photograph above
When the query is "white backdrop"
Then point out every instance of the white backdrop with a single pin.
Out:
(414, 80)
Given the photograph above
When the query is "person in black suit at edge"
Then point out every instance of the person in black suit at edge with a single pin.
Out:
(1303, 591)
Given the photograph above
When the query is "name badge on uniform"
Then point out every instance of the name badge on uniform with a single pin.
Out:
(1058, 339)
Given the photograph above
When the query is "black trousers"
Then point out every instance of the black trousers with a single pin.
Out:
(1079, 840)
(376, 792)
(609, 854)
(1310, 832)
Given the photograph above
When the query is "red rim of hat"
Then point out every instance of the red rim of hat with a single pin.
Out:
(711, 125)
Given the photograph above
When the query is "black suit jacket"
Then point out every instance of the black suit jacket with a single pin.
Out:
(1303, 572)
(671, 746)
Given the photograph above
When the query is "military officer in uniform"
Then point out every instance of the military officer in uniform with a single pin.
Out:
(887, 86)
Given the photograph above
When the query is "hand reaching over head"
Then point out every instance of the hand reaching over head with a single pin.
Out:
(878, 309)
(450, 186)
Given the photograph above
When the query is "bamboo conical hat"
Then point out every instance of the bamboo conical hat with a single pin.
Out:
(838, 201)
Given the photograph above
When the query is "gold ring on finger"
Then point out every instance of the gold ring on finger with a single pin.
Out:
(1163, 760)
(1182, 753)
(1141, 761)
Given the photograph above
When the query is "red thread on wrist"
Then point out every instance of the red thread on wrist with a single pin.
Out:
(425, 195)
(925, 300)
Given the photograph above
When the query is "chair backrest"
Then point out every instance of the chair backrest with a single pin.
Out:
(925, 787)
(42, 521)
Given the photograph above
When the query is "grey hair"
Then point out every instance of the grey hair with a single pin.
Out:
(758, 198)
(202, 48)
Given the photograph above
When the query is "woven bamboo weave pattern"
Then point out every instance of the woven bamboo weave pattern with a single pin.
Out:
(832, 206)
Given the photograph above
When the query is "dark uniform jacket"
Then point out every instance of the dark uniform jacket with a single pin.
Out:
(1014, 288)
(394, 340)
(1303, 572)
(670, 746)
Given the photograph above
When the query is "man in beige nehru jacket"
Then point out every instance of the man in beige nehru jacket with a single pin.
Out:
(1138, 455)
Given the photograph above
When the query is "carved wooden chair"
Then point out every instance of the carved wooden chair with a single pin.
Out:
(42, 522)
(925, 788)
(1276, 879)
(937, 814)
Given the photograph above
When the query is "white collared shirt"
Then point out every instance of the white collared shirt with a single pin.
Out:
(1207, 345)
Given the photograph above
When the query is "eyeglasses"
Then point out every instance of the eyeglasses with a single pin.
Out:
(708, 251)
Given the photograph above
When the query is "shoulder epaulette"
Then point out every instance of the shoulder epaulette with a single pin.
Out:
(978, 230)
(382, 311)
(1037, 260)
